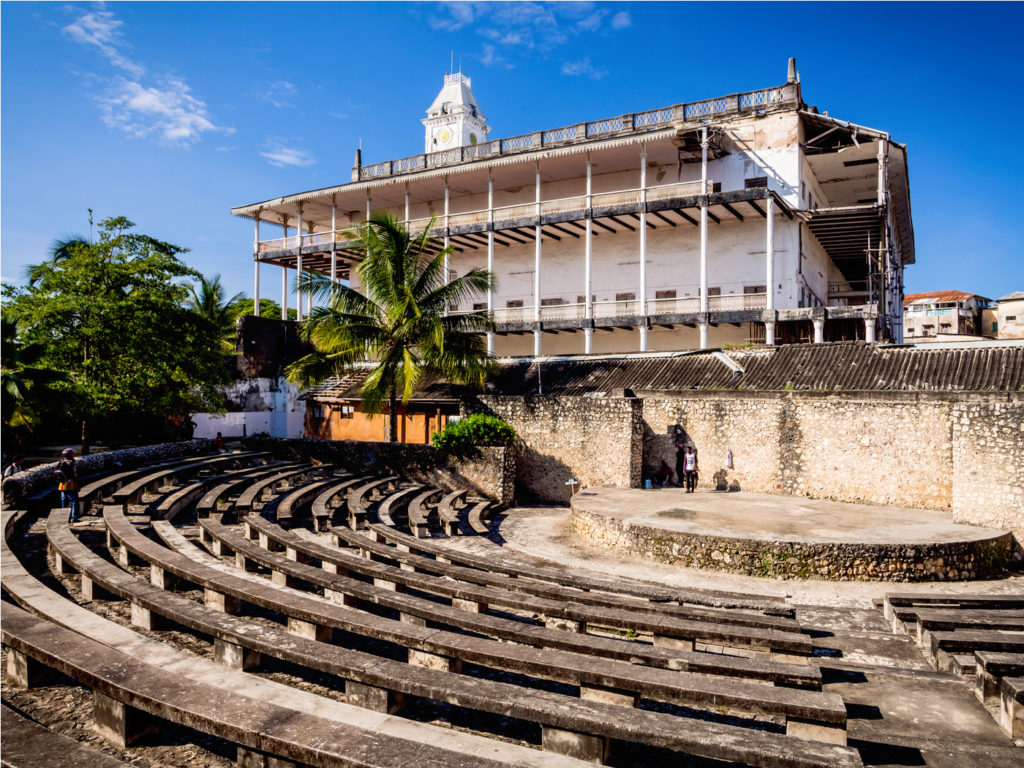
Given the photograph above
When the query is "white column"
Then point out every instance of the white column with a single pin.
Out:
(367, 205)
(869, 330)
(447, 241)
(704, 235)
(769, 249)
(819, 330)
(334, 238)
(298, 268)
(256, 260)
(284, 273)
(536, 272)
(490, 257)
(588, 273)
(643, 250)
(407, 203)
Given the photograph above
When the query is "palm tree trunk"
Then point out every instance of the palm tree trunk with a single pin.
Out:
(85, 439)
(393, 415)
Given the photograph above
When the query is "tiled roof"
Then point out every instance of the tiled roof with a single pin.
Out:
(1015, 296)
(939, 296)
(841, 366)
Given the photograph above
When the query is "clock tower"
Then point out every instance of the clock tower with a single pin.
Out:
(454, 119)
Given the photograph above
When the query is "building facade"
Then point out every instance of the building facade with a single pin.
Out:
(1009, 321)
(746, 218)
(942, 314)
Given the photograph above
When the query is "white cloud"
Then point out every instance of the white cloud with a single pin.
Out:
(99, 28)
(169, 112)
(162, 108)
(280, 155)
(621, 20)
(277, 93)
(583, 68)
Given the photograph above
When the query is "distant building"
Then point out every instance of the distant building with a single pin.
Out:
(749, 217)
(1010, 316)
(942, 314)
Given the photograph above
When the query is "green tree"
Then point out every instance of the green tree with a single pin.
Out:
(268, 308)
(22, 379)
(110, 316)
(400, 324)
(209, 303)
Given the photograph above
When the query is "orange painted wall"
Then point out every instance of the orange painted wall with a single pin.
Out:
(417, 425)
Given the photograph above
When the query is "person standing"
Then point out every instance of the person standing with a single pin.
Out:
(14, 467)
(67, 482)
(690, 468)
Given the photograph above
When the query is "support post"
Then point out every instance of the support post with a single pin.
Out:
(819, 330)
(407, 204)
(447, 239)
(298, 268)
(588, 263)
(490, 258)
(869, 330)
(704, 235)
(118, 722)
(256, 262)
(536, 272)
(334, 238)
(769, 247)
(284, 272)
(769, 333)
(643, 250)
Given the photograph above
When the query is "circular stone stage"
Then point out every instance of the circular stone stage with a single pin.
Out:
(788, 537)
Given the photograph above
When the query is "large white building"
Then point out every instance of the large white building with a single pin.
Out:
(751, 217)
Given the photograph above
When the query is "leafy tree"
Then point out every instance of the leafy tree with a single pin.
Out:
(21, 375)
(400, 324)
(111, 317)
(268, 308)
(209, 303)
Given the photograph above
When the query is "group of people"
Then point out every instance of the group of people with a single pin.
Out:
(687, 468)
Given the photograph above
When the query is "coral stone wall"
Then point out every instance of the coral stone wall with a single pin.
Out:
(988, 464)
(887, 449)
(491, 473)
(597, 441)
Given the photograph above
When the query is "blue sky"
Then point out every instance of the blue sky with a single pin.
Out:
(170, 113)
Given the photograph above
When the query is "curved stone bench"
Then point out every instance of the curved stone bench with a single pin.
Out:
(26, 744)
(396, 503)
(211, 500)
(323, 507)
(476, 516)
(301, 499)
(516, 565)
(24, 588)
(419, 516)
(256, 491)
(448, 511)
(359, 498)
(545, 662)
(175, 502)
(240, 644)
(128, 692)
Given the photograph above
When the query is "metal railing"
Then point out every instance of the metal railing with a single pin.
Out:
(639, 122)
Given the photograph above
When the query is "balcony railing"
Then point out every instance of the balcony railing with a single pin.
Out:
(504, 213)
(626, 308)
(639, 122)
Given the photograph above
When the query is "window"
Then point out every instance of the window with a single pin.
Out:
(318, 411)
(625, 296)
(513, 303)
(1011, 318)
(479, 305)
(583, 299)
(669, 294)
(995, 327)
(715, 290)
(346, 411)
(551, 302)
(755, 289)
(757, 182)
(716, 187)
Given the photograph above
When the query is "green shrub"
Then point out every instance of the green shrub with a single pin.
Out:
(479, 429)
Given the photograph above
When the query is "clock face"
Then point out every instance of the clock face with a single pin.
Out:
(472, 138)
(444, 136)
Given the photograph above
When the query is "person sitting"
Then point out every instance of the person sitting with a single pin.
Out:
(218, 443)
(662, 474)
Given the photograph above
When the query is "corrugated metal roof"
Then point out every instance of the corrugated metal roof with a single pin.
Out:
(939, 296)
(841, 366)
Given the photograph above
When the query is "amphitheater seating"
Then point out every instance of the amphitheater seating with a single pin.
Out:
(981, 636)
(398, 616)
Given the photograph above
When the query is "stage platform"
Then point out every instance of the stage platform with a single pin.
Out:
(788, 537)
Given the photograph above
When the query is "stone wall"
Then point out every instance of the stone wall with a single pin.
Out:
(597, 441)
(891, 448)
(490, 473)
(988, 464)
(31, 481)
(834, 561)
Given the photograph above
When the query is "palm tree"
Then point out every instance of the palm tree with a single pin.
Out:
(400, 324)
(209, 303)
(20, 373)
(59, 250)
